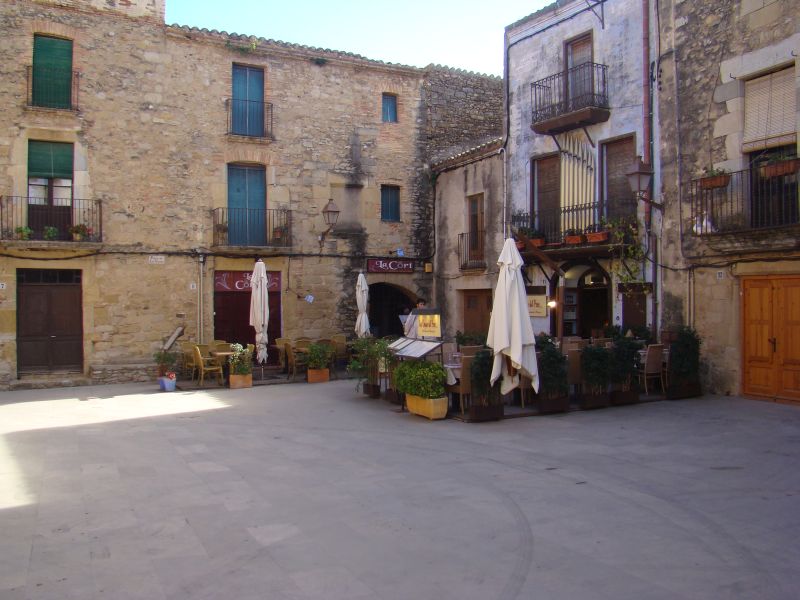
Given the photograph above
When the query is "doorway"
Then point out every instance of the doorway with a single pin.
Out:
(771, 337)
(386, 303)
(49, 320)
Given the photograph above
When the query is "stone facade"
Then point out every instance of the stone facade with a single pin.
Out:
(711, 50)
(151, 143)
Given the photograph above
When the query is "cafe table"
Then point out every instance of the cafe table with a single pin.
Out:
(453, 371)
(224, 360)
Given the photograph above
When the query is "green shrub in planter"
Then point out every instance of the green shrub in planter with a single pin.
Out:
(595, 366)
(470, 338)
(552, 368)
(684, 364)
(165, 360)
(480, 372)
(241, 363)
(319, 356)
(624, 356)
(367, 356)
(421, 378)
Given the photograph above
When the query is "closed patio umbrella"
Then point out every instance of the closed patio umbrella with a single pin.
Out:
(510, 332)
(362, 297)
(259, 308)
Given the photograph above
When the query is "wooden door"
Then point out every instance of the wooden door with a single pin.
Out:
(476, 228)
(477, 311)
(232, 320)
(771, 337)
(49, 321)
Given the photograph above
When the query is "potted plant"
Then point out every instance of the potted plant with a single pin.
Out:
(573, 237)
(714, 178)
(778, 167)
(167, 382)
(164, 361)
(470, 338)
(595, 363)
(596, 233)
(684, 365)
(624, 360)
(279, 232)
(50, 233)
(79, 231)
(23, 232)
(368, 356)
(241, 367)
(319, 358)
(485, 402)
(529, 236)
(422, 381)
(553, 389)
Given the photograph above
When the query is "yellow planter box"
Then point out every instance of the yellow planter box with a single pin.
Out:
(241, 381)
(433, 408)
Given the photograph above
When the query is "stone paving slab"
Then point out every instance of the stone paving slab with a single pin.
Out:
(306, 491)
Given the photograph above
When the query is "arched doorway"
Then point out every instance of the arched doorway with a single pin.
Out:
(386, 303)
(587, 299)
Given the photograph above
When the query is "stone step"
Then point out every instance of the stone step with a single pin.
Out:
(49, 380)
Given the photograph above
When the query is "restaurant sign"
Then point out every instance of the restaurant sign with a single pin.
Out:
(239, 281)
(390, 265)
(429, 326)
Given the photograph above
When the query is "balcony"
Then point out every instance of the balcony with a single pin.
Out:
(52, 88)
(571, 99)
(249, 227)
(249, 118)
(760, 199)
(579, 219)
(471, 250)
(23, 218)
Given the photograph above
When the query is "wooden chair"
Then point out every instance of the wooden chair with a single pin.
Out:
(280, 343)
(187, 359)
(463, 387)
(302, 343)
(653, 366)
(295, 361)
(206, 365)
(342, 351)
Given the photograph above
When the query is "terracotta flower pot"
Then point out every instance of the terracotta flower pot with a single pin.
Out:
(537, 242)
(241, 381)
(596, 237)
(779, 169)
(318, 375)
(573, 240)
(716, 181)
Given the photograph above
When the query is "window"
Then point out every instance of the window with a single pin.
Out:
(51, 85)
(49, 186)
(247, 199)
(546, 196)
(618, 158)
(475, 226)
(769, 111)
(390, 203)
(578, 52)
(247, 105)
(389, 108)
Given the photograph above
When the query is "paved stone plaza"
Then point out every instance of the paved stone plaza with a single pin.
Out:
(316, 492)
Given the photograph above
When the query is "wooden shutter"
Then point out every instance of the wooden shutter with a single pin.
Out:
(50, 160)
(769, 111)
(547, 196)
(579, 51)
(618, 160)
(52, 72)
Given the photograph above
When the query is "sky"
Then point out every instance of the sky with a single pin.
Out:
(464, 34)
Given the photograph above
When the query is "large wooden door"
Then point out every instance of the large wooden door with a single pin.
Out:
(477, 310)
(49, 321)
(771, 337)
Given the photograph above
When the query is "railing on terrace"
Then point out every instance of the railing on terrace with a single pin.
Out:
(472, 250)
(52, 88)
(249, 118)
(554, 223)
(584, 86)
(34, 219)
(756, 199)
(253, 227)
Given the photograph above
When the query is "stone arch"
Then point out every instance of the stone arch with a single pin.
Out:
(387, 302)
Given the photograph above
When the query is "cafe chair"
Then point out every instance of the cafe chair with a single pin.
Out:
(205, 365)
(280, 344)
(296, 361)
(653, 366)
(342, 352)
(574, 373)
(463, 387)
(187, 359)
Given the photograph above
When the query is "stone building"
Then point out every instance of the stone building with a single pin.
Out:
(728, 87)
(577, 87)
(143, 168)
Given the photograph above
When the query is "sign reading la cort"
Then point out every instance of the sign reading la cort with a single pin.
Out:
(239, 281)
(390, 265)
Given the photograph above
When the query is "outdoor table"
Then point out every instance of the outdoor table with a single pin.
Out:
(226, 367)
(453, 371)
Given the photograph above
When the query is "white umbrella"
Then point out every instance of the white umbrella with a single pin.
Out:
(362, 296)
(259, 308)
(510, 331)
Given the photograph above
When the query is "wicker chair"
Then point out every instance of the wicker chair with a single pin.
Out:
(463, 387)
(206, 364)
(653, 366)
(295, 361)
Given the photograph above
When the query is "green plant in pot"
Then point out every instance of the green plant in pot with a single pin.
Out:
(486, 403)
(319, 358)
(470, 338)
(553, 389)
(368, 356)
(241, 367)
(23, 232)
(595, 365)
(624, 360)
(165, 360)
(422, 381)
(684, 365)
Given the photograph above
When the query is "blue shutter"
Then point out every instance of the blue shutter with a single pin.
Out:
(389, 108)
(247, 110)
(246, 206)
(390, 203)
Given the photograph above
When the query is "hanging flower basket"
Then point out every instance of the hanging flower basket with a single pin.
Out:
(779, 169)
(715, 181)
(596, 237)
(537, 242)
(572, 238)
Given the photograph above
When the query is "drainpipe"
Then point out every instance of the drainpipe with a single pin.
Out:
(504, 215)
(201, 263)
(647, 141)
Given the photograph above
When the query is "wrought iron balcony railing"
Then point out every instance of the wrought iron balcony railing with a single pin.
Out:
(761, 198)
(554, 224)
(253, 227)
(249, 118)
(23, 218)
(52, 88)
(573, 98)
(472, 250)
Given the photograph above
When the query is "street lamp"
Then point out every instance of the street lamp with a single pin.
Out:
(639, 180)
(331, 214)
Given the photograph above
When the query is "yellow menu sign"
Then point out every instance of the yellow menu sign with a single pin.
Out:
(429, 326)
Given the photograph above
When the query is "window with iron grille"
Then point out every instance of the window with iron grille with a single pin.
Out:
(51, 86)
(390, 203)
(247, 110)
(389, 108)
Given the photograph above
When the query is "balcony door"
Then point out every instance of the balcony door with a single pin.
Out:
(247, 110)
(618, 157)
(546, 200)
(49, 187)
(247, 205)
(475, 227)
(579, 80)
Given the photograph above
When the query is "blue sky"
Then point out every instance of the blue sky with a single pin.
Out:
(466, 34)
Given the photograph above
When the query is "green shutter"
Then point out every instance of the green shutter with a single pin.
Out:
(49, 159)
(52, 72)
